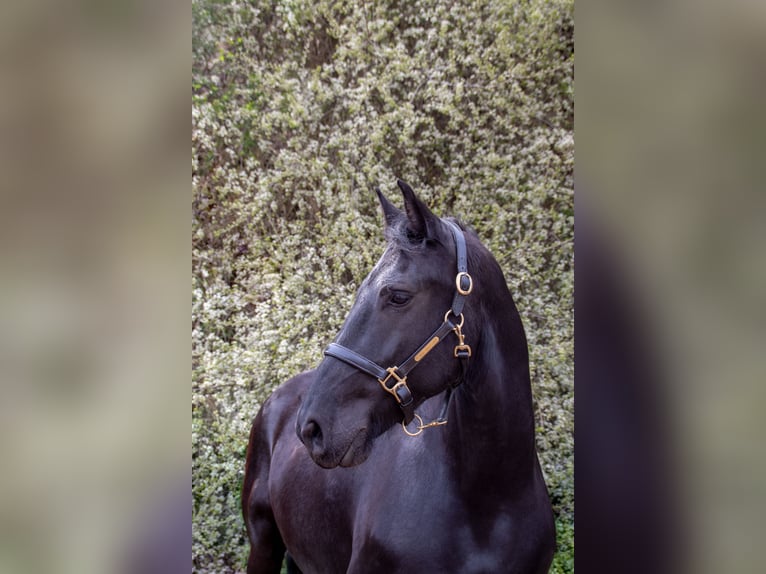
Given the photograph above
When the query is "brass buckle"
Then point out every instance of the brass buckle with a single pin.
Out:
(460, 290)
(400, 382)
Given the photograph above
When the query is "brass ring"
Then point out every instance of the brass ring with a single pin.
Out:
(420, 426)
(462, 319)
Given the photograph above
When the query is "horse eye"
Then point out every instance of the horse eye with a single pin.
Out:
(399, 298)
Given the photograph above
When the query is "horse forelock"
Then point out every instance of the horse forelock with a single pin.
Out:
(398, 234)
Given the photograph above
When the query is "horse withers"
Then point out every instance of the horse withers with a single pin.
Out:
(411, 447)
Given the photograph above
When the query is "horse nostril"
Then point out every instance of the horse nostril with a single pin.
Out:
(311, 433)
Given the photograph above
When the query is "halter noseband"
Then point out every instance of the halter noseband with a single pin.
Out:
(394, 379)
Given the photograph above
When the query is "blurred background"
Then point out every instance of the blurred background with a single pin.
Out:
(94, 256)
(670, 154)
(94, 263)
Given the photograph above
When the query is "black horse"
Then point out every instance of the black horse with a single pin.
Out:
(333, 478)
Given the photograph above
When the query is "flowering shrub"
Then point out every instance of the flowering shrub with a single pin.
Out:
(299, 109)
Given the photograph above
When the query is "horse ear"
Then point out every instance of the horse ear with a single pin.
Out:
(390, 212)
(421, 222)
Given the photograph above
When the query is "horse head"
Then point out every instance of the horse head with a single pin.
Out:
(404, 308)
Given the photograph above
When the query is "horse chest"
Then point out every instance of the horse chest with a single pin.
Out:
(431, 529)
(406, 515)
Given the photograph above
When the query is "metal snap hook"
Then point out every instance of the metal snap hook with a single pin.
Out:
(422, 426)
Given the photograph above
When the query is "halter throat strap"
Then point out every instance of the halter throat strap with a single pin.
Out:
(394, 379)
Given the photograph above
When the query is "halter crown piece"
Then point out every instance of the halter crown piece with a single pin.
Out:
(394, 379)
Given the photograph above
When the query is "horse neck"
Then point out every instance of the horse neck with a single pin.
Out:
(492, 421)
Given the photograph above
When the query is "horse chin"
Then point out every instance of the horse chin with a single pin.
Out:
(358, 450)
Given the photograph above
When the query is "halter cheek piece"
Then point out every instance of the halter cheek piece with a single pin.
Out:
(394, 379)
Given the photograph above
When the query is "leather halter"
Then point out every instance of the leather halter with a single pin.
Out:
(394, 379)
